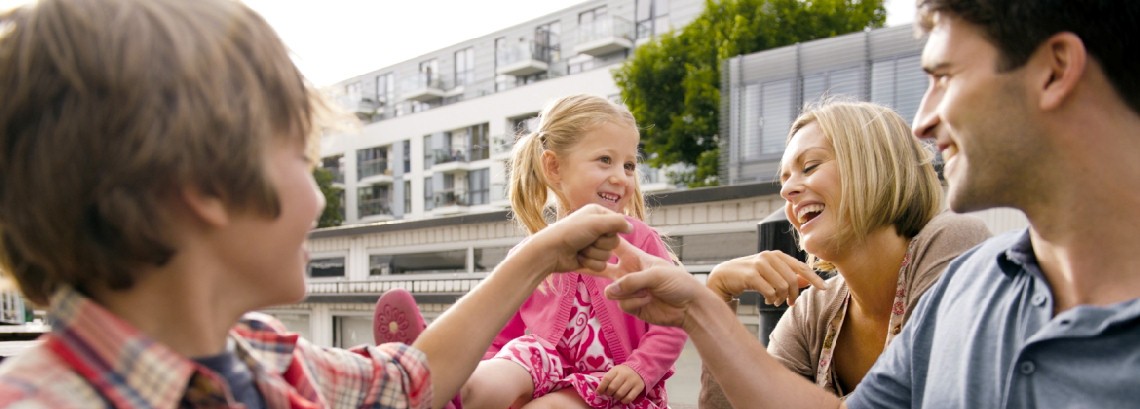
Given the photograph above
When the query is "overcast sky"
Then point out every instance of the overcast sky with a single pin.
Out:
(333, 40)
(336, 39)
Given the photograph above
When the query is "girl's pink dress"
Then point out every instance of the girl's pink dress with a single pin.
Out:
(568, 335)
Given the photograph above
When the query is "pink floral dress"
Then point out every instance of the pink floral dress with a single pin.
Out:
(579, 361)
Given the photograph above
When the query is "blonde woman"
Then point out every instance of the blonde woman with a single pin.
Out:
(864, 199)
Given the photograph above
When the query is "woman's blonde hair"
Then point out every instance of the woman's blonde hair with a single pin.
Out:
(560, 127)
(886, 175)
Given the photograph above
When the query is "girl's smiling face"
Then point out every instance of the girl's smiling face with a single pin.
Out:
(601, 168)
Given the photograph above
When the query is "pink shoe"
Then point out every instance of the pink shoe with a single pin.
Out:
(397, 318)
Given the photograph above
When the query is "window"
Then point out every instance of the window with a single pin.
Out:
(465, 66)
(525, 125)
(429, 153)
(449, 261)
(385, 89)
(847, 81)
(776, 110)
(487, 258)
(547, 42)
(713, 248)
(334, 164)
(479, 186)
(407, 155)
(374, 200)
(594, 24)
(372, 161)
(652, 17)
(750, 118)
(351, 330)
(429, 194)
(379, 265)
(588, 17)
(429, 75)
(899, 83)
(407, 197)
(326, 267)
(353, 93)
(766, 112)
(448, 196)
(480, 142)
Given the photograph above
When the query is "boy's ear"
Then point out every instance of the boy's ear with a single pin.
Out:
(550, 168)
(210, 209)
(1062, 61)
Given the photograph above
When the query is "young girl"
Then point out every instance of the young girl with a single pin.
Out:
(569, 346)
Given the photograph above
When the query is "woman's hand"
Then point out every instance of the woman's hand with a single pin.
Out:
(621, 383)
(774, 274)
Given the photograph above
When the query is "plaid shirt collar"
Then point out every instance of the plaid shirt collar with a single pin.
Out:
(132, 370)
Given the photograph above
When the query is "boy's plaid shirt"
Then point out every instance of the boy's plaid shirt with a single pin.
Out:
(93, 359)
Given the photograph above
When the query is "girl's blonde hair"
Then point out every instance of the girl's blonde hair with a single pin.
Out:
(560, 127)
(886, 175)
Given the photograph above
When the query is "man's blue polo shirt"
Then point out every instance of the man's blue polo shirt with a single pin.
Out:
(984, 336)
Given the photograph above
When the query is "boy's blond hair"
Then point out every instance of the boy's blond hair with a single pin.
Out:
(112, 108)
(562, 123)
(886, 176)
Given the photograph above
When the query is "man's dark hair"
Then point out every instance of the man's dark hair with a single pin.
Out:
(1108, 28)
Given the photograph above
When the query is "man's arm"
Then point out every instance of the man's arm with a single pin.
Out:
(661, 293)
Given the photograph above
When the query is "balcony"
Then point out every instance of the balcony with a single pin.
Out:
(450, 160)
(374, 171)
(502, 145)
(605, 36)
(422, 88)
(374, 207)
(420, 284)
(522, 59)
(450, 202)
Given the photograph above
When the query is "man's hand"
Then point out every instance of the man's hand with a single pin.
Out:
(650, 288)
(774, 274)
(621, 383)
(582, 240)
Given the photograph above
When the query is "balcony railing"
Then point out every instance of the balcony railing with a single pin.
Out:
(372, 167)
(479, 152)
(418, 283)
(601, 37)
(373, 207)
(523, 58)
(458, 154)
(451, 198)
(422, 87)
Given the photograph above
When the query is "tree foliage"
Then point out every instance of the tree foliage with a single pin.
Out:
(672, 84)
(331, 216)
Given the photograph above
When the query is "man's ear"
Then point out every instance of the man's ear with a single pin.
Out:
(1060, 63)
(208, 208)
(550, 168)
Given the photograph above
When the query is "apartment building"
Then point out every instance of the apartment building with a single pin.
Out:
(424, 177)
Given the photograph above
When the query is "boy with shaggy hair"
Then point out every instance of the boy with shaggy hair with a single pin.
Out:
(155, 187)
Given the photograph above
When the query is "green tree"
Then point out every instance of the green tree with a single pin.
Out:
(672, 84)
(331, 215)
